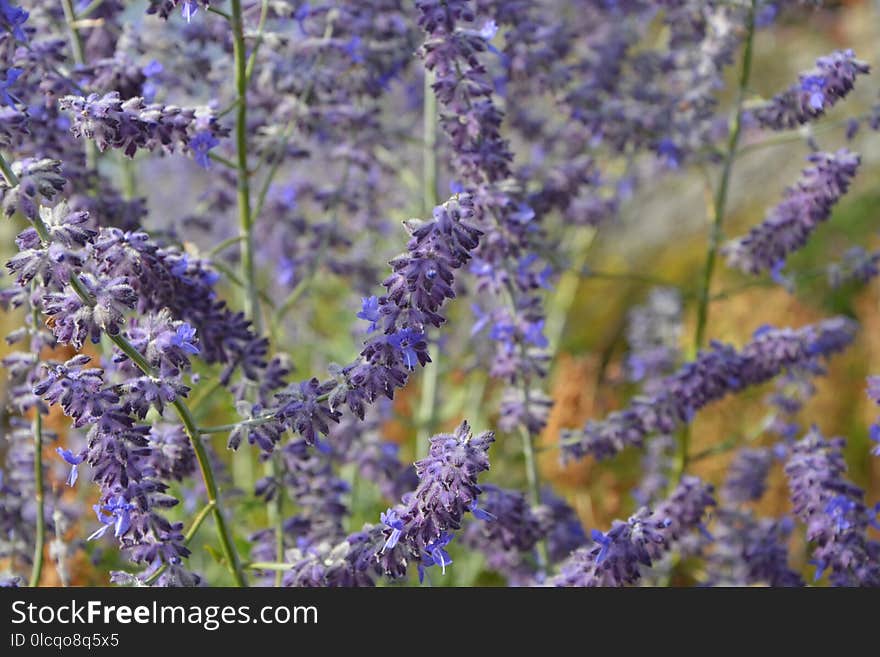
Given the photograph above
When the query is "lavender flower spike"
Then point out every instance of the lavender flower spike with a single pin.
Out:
(716, 372)
(616, 557)
(789, 225)
(818, 90)
(834, 512)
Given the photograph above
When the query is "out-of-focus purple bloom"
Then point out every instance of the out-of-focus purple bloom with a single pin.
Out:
(789, 225)
(749, 551)
(6, 97)
(832, 78)
(200, 145)
(714, 374)
(12, 19)
(834, 512)
(746, 478)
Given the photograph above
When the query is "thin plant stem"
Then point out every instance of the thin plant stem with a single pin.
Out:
(261, 26)
(716, 230)
(79, 56)
(40, 536)
(245, 219)
(427, 410)
(276, 510)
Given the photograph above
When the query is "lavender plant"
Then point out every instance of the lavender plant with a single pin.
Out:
(238, 291)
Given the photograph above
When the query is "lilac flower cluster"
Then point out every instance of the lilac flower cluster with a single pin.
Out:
(715, 373)
(806, 205)
(818, 90)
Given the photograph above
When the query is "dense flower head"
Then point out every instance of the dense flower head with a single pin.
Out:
(130, 125)
(789, 225)
(506, 534)
(617, 557)
(818, 90)
(417, 530)
(833, 511)
(716, 372)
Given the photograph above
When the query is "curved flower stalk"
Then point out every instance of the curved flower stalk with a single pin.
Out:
(834, 512)
(817, 90)
(420, 283)
(715, 373)
(418, 529)
(789, 225)
(617, 557)
(507, 263)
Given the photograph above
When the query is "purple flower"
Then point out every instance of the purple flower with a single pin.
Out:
(391, 520)
(200, 145)
(616, 557)
(714, 374)
(746, 478)
(12, 19)
(789, 225)
(117, 514)
(12, 74)
(436, 555)
(74, 461)
(370, 312)
(833, 511)
(406, 342)
(818, 90)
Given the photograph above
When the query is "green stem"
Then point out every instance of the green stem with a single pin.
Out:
(566, 290)
(223, 532)
(426, 416)
(276, 510)
(715, 234)
(79, 56)
(429, 151)
(427, 411)
(528, 444)
(222, 246)
(720, 202)
(252, 60)
(40, 538)
(245, 220)
(8, 174)
(268, 565)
